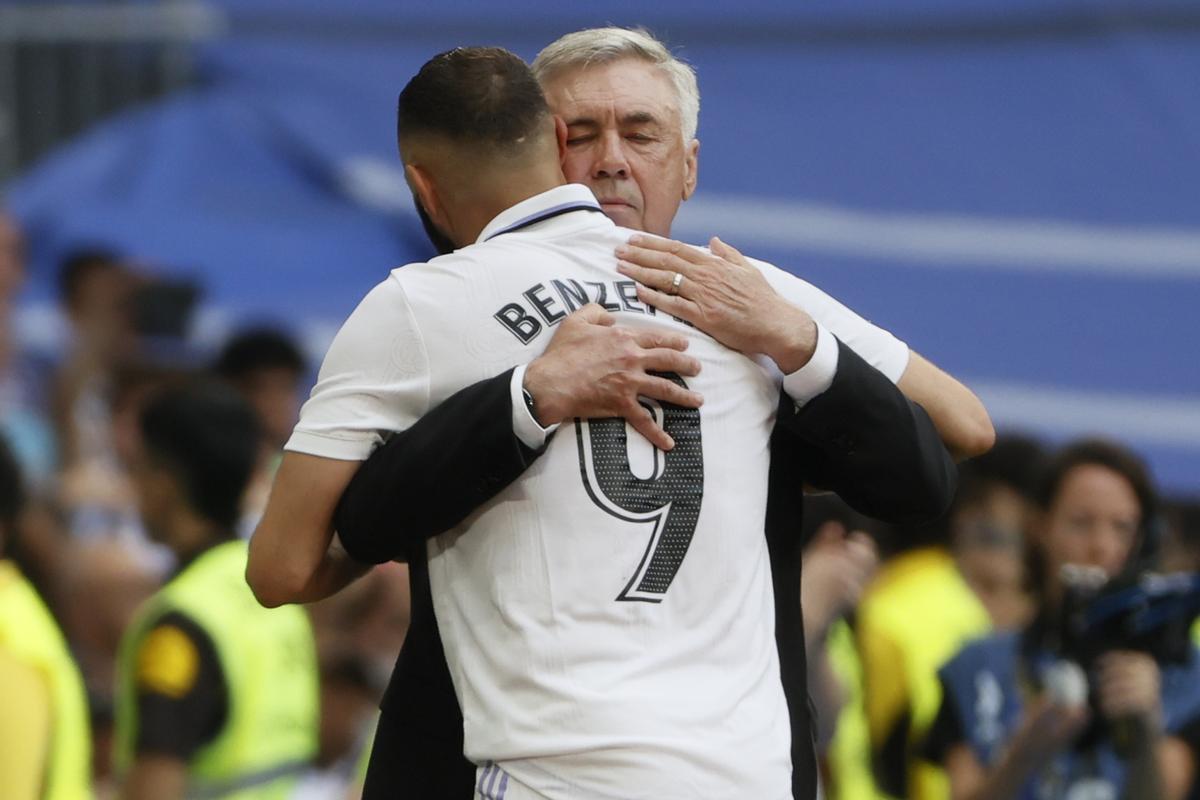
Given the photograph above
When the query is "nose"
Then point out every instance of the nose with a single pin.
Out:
(1109, 550)
(611, 161)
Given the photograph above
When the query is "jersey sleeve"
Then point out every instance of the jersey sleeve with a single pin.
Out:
(182, 700)
(876, 346)
(374, 380)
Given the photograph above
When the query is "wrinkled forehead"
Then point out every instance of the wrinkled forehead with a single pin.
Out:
(627, 89)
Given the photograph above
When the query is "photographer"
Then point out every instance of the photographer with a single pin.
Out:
(1018, 719)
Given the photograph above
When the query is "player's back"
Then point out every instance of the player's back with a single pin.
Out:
(608, 619)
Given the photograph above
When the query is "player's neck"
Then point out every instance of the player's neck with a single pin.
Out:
(489, 202)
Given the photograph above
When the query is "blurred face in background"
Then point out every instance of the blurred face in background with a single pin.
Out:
(1093, 521)
(995, 571)
(101, 311)
(274, 393)
(989, 548)
(625, 141)
(155, 492)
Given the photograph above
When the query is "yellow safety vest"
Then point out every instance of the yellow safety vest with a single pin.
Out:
(916, 615)
(268, 659)
(28, 633)
(849, 754)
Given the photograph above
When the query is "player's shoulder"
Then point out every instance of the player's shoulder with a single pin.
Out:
(493, 254)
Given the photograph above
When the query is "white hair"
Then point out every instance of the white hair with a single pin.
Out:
(604, 45)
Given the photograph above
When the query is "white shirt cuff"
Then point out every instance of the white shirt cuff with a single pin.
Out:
(528, 430)
(817, 375)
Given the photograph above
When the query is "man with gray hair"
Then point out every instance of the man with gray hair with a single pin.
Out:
(632, 111)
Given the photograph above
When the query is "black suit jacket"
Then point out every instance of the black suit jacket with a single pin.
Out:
(861, 438)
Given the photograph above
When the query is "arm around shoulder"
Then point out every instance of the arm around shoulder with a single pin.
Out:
(960, 417)
(430, 477)
(872, 445)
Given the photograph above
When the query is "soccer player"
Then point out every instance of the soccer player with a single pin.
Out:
(616, 600)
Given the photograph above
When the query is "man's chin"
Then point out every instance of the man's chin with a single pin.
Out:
(623, 215)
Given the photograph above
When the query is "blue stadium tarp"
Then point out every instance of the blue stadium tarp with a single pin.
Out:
(1010, 186)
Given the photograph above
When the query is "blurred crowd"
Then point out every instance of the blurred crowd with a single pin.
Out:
(912, 633)
(74, 519)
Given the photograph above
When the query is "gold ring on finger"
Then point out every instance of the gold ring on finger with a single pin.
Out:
(676, 282)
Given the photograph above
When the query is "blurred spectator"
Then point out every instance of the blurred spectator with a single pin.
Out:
(99, 502)
(989, 520)
(368, 618)
(349, 697)
(838, 563)
(214, 691)
(359, 631)
(1015, 717)
(22, 379)
(915, 615)
(95, 294)
(267, 367)
(101, 583)
(839, 560)
(1181, 536)
(45, 747)
(1181, 543)
(964, 574)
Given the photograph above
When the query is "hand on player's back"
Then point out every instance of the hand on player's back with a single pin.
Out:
(593, 369)
(722, 294)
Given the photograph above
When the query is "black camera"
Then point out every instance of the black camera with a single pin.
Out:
(1149, 612)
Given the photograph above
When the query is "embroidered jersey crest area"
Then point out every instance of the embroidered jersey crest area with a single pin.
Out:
(608, 619)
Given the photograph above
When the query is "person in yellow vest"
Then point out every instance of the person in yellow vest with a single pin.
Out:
(216, 696)
(925, 604)
(45, 742)
(839, 562)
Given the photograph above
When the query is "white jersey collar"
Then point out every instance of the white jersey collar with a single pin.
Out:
(551, 203)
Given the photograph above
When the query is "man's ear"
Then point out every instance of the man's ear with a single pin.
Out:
(560, 133)
(422, 185)
(691, 165)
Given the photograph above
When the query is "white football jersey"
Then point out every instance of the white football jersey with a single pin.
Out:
(608, 619)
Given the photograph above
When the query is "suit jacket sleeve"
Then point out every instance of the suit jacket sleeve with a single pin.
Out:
(430, 477)
(865, 440)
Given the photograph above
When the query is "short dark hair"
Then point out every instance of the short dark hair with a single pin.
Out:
(1016, 461)
(207, 437)
(77, 265)
(257, 349)
(482, 95)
